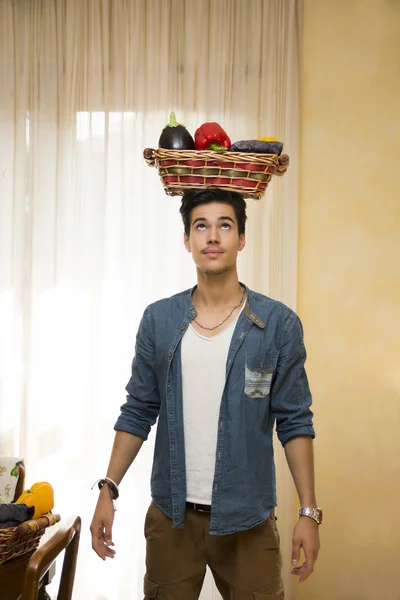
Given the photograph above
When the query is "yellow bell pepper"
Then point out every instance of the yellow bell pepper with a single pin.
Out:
(41, 496)
(267, 139)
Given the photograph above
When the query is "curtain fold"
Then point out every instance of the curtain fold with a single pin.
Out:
(87, 236)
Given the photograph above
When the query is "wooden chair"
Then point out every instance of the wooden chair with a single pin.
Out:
(65, 538)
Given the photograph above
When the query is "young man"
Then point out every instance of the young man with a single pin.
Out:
(218, 366)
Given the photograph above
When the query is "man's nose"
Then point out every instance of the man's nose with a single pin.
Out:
(213, 235)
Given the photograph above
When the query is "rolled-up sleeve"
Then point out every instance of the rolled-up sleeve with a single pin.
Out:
(142, 405)
(290, 393)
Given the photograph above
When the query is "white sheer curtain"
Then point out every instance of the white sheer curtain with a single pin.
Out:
(88, 237)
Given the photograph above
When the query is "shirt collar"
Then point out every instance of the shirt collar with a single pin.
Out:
(247, 309)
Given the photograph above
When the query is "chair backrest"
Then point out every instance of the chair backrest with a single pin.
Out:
(64, 538)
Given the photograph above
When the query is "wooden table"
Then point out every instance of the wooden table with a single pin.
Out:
(12, 574)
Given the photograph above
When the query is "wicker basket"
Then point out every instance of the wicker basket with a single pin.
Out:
(243, 172)
(16, 541)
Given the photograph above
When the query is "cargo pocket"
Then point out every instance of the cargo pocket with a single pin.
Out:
(260, 595)
(259, 371)
(273, 591)
(149, 588)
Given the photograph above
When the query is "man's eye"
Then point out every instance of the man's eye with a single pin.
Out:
(200, 226)
(225, 226)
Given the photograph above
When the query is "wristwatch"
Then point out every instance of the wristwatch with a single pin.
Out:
(313, 513)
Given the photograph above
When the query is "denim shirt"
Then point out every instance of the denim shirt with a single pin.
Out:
(265, 384)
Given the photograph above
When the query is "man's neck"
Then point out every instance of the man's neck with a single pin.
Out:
(217, 291)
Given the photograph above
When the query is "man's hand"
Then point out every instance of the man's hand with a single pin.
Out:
(306, 536)
(101, 527)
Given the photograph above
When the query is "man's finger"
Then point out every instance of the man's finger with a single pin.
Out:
(101, 549)
(295, 551)
(305, 575)
(98, 548)
(101, 541)
(107, 536)
(311, 557)
(303, 572)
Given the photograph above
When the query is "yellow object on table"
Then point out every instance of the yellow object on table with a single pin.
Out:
(41, 496)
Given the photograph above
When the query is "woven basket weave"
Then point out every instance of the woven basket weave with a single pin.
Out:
(16, 541)
(243, 172)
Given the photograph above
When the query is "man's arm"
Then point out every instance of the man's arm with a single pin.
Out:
(125, 449)
(137, 416)
(290, 403)
(300, 458)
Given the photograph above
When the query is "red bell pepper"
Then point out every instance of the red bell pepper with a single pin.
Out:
(211, 136)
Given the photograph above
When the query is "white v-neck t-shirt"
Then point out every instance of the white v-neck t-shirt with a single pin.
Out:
(203, 380)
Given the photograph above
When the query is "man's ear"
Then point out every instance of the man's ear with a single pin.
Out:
(242, 241)
(186, 241)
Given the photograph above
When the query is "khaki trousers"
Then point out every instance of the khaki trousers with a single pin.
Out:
(245, 565)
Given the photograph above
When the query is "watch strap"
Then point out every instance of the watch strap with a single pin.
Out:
(312, 513)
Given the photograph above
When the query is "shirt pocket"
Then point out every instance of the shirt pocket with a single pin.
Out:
(259, 371)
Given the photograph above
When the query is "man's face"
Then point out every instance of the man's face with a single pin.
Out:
(214, 240)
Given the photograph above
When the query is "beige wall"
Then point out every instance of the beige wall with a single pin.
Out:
(349, 290)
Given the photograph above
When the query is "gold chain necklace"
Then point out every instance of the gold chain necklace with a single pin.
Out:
(222, 322)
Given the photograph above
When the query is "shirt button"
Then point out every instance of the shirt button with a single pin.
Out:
(176, 510)
(183, 328)
(170, 355)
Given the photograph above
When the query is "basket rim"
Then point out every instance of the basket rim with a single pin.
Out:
(34, 524)
(179, 188)
(151, 156)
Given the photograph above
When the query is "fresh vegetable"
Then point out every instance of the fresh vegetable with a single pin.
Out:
(257, 147)
(41, 496)
(211, 136)
(175, 136)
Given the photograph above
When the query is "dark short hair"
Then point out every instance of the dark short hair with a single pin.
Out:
(193, 198)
